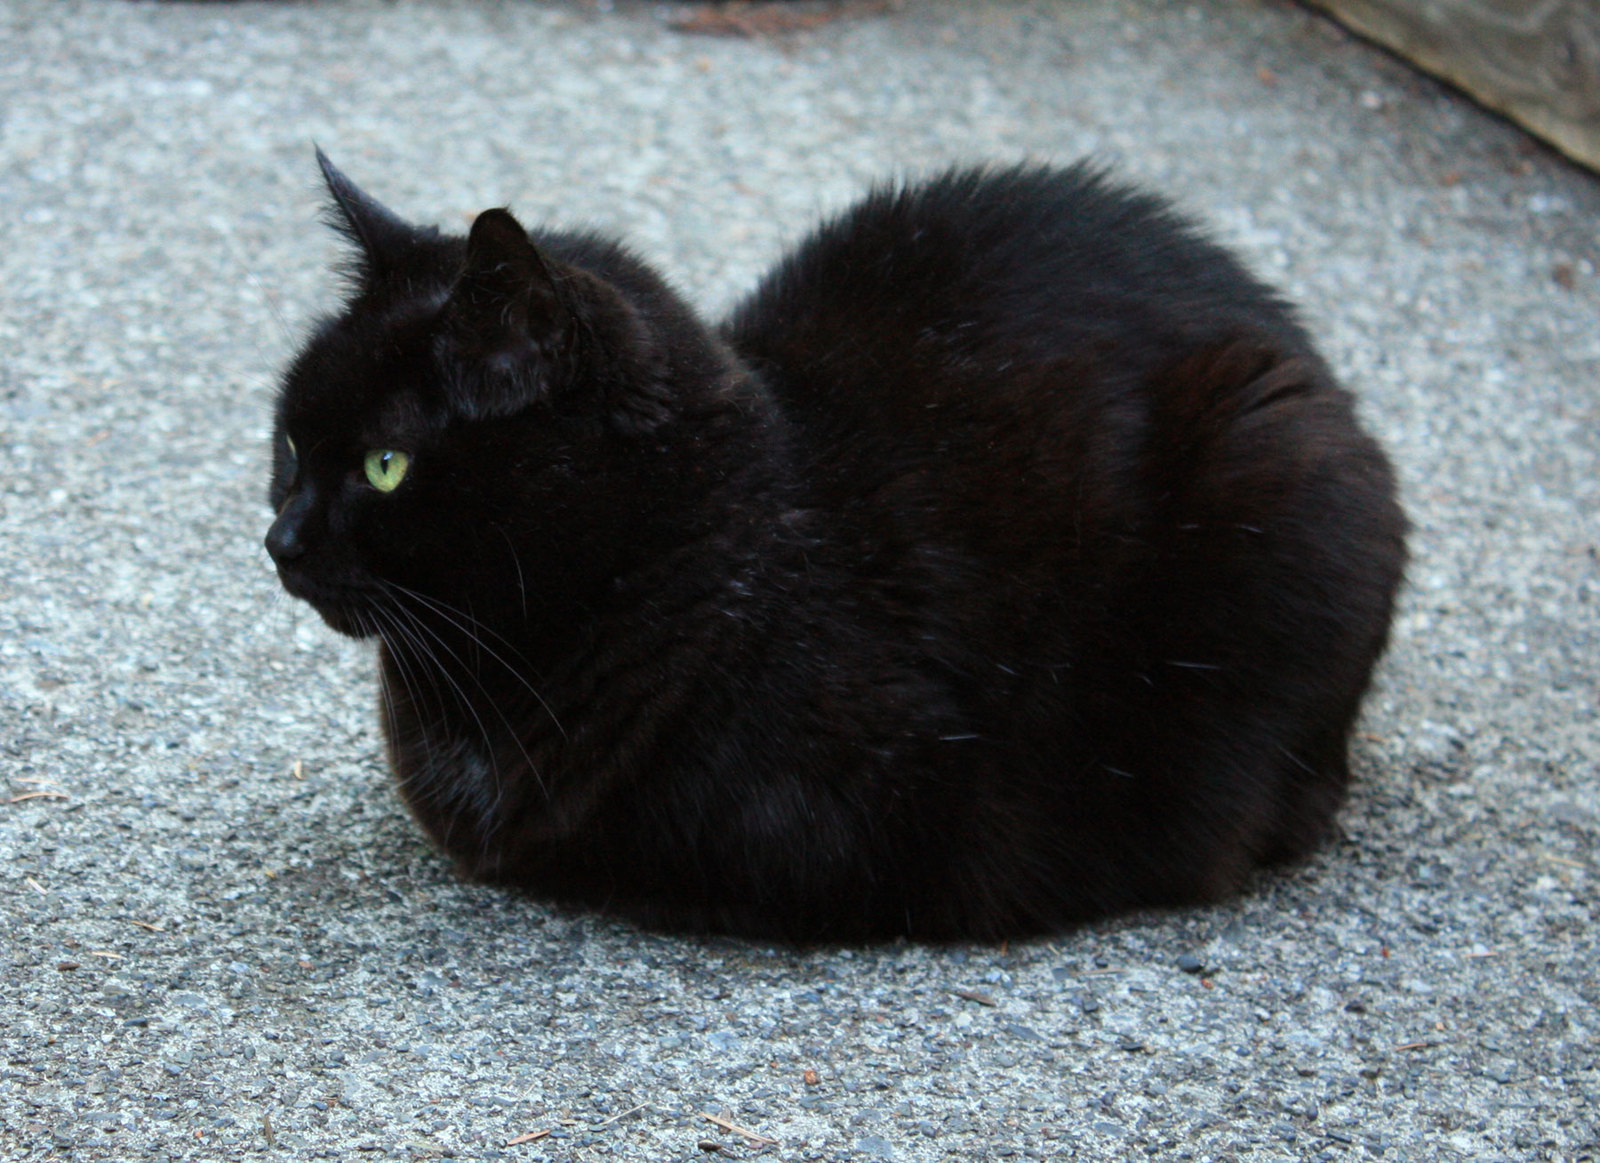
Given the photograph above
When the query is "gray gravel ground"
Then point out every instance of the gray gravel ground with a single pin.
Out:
(223, 936)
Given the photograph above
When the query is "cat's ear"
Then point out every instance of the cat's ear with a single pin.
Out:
(384, 240)
(506, 301)
(521, 314)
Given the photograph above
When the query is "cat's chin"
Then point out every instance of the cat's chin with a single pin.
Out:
(342, 607)
(347, 622)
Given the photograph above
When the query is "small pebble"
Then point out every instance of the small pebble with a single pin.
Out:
(1189, 963)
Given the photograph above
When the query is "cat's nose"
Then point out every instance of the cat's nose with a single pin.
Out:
(286, 539)
(284, 542)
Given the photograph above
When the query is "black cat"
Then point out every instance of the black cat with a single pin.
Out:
(1008, 558)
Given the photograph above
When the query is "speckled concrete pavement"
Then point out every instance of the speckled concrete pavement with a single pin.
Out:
(223, 938)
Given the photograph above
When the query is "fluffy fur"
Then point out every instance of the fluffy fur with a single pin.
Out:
(1007, 559)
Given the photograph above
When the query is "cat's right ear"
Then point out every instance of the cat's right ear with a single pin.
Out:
(382, 238)
(506, 304)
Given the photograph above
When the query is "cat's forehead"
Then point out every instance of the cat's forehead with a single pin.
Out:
(361, 377)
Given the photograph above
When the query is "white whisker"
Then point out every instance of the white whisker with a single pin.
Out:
(453, 615)
(511, 730)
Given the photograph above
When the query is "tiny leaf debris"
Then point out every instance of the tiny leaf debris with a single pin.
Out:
(738, 1130)
(976, 995)
(630, 1111)
(1553, 858)
(43, 790)
(529, 1137)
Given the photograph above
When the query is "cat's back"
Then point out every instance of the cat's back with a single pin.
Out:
(1070, 418)
(977, 275)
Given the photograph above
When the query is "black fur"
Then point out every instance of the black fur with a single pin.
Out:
(1009, 558)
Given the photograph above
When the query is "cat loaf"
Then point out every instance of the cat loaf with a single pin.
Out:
(1008, 558)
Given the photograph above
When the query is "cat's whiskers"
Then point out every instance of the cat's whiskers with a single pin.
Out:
(452, 615)
(409, 680)
(436, 790)
(399, 651)
(424, 652)
(490, 811)
(511, 731)
(522, 586)
(401, 643)
(444, 609)
(373, 626)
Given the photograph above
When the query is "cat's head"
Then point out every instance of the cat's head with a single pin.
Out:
(496, 423)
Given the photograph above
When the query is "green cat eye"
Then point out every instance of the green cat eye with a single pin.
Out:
(386, 468)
